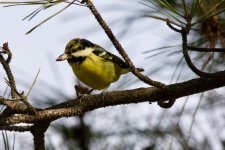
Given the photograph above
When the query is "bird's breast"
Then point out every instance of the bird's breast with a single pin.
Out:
(95, 72)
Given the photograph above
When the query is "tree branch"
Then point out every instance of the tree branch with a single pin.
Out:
(219, 74)
(91, 102)
(14, 104)
(11, 82)
(5, 64)
(38, 131)
(172, 27)
(197, 49)
(120, 49)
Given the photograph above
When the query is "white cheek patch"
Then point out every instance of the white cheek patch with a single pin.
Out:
(102, 54)
(85, 52)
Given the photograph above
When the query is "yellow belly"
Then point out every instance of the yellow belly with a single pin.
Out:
(96, 73)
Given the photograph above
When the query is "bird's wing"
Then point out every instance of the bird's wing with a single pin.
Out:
(107, 56)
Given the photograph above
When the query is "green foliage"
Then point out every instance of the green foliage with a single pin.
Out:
(183, 12)
(44, 4)
(206, 20)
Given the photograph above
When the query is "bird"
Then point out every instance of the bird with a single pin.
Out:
(92, 64)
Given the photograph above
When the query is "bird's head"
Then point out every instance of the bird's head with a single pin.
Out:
(75, 49)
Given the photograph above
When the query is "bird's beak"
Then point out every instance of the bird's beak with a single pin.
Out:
(62, 57)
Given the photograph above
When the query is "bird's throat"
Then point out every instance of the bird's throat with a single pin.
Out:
(78, 60)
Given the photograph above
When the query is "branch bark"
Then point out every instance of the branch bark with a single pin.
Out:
(38, 131)
(5, 65)
(91, 102)
(219, 74)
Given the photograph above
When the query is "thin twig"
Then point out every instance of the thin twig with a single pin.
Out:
(6, 50)
(15, 106)
(164, 19)
(120, 49)
(35, 79)
(5, 64)
(178, 122)
(11, 82)
(194, 118)
(197, 49)
(7, 102)
(172, 27)
(166, 104)
(220, 74)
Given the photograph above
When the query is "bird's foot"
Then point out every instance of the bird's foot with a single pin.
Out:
(80, 97)
(82, 92)
(103, 94)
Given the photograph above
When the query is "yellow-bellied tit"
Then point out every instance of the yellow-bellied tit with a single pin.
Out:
(92, 64)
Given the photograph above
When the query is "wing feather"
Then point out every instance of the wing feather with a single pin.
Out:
(101, 52)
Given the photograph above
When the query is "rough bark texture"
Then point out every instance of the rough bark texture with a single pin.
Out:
(91, 102)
